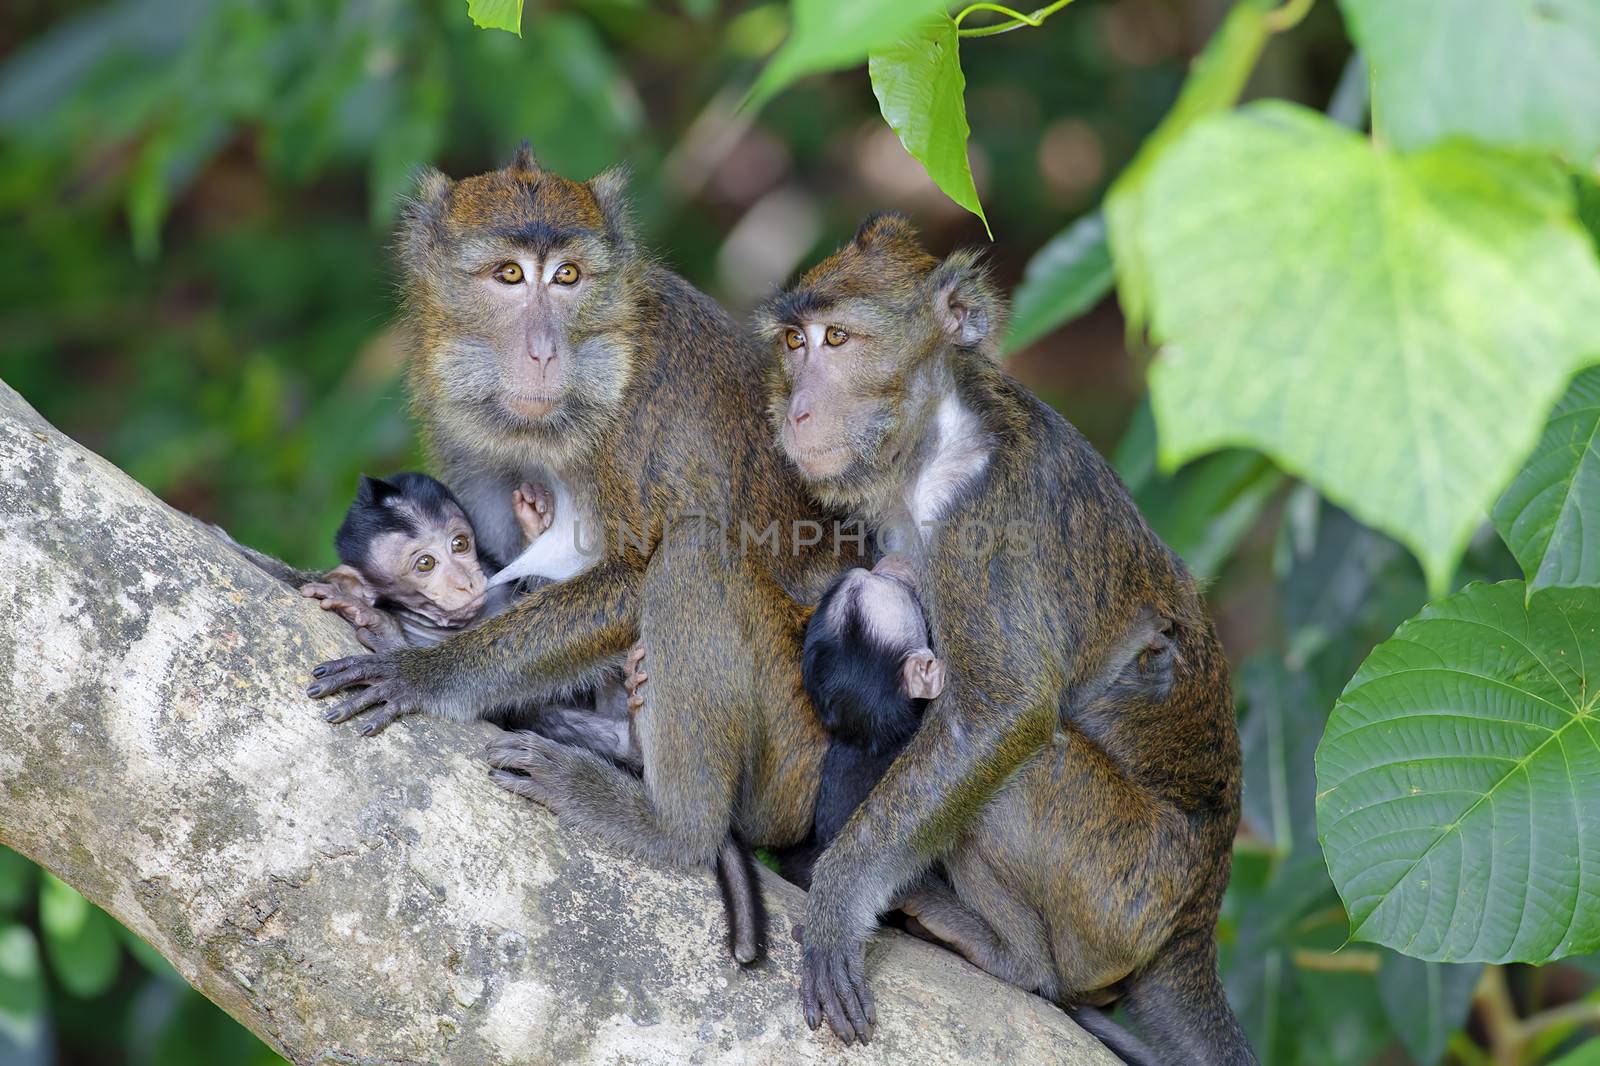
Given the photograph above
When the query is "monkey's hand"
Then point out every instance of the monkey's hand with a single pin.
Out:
(377, 629)
(635, 679)
(535, 508)
(386, 676)
(833, 984)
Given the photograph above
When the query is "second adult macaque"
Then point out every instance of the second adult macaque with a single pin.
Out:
(1086, 821)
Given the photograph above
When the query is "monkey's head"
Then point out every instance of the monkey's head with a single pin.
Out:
(520, 286)
(406, 541)
(866, 343)
(867, 665)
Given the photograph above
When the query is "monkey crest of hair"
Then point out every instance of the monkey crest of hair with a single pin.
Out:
(373, 513)
(469, 345)
(882, 284)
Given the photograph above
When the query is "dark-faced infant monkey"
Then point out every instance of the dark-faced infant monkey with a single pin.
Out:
(409, 575)
(1085, 827)
(870, 674)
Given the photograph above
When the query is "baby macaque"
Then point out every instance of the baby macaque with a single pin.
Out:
(409, 575)
(409, 572)
(870, 674)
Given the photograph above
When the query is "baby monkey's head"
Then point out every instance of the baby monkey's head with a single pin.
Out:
(867, 665)
(406, 542)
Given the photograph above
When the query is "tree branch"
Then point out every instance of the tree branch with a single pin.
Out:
(367, 901)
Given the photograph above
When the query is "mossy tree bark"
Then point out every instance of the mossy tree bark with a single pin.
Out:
(366, 901)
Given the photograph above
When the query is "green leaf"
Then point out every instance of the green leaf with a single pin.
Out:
(1550, 516)
(1065, 278)
(22, 990)
(1426, 1002)
(1391, 328)
(496, 15)
(1458, 783)
(920, 87)
(1587, 1055)
(1218, 77)
(1524, 74)
(833, 34)
(79, 939)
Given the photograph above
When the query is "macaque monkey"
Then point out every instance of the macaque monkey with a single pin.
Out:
(1078, 776)
(410, 575)
(548, 347)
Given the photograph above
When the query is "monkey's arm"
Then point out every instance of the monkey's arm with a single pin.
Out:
(984, 726)
(557, 639)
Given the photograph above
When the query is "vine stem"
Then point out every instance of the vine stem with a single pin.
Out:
(1017, 18)
(1288, 16)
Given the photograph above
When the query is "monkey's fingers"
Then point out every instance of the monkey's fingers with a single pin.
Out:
(339, 674)
(354, 705)
(635, 704)
(526, 787)
(390, 714)
(850, 987)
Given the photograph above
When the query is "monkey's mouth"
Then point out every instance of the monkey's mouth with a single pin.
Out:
(533, 408)
(820, 462)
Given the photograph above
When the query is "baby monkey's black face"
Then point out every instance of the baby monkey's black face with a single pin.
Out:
(868, 668)
(408, 543)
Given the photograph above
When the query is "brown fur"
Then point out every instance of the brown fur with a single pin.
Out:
(658, 423)
(1085, 824)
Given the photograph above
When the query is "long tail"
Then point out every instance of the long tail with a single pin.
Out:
(741, 895)
(1179, 1003)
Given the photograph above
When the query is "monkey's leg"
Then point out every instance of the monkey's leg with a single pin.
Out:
(693, 729)
(934, 904)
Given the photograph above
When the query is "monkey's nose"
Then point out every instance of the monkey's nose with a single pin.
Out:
(800, 418)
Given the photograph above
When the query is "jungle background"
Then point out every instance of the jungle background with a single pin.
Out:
(195, 281)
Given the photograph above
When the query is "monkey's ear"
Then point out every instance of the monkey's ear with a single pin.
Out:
(922, 674)
(522, 160)
(422, 218)
(610, 191)
(966, 304)
(374, 491)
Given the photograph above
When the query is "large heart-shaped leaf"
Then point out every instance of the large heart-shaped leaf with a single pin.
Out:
(831, 34)
(1392, 328)
(921, 92)
(1458, 783)
(1523, 74)
(1550, 516)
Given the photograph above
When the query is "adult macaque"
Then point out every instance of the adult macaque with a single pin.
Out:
(1086, 821)
(549, 348)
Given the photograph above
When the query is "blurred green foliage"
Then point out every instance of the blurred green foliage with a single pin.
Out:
(194, 280)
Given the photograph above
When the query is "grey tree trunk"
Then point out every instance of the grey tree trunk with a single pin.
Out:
(367, 901)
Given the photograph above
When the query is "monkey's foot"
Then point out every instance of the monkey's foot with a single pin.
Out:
(535, 508)
(635, 678)
(384, 685)
(532, 766)
(833, 984)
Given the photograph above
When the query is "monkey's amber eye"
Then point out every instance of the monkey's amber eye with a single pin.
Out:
(460, 543)
(835, 336)
(566, 274)
(510, 273)
(424, 564)
(794, 339)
